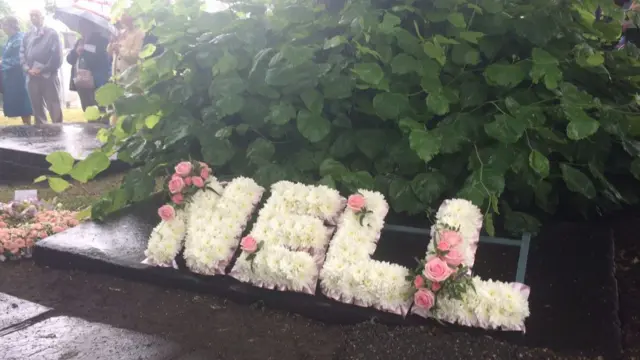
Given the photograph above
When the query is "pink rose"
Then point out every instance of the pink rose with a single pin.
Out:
(197, 181)
(204, 173)
(73, 222)
(249, 244)
(443, 245)
(43, 235)
(424, 299)
(184, 168)
(453, 257)
(452, 237)
(2, 225)
(176, 185)
(167, 212)
(177, 199)
(437, 270)
(435, 286)
(58, 229)
(418, 282)
(356, 202)
(187, 181)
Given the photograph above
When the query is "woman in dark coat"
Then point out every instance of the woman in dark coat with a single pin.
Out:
(90, 53)
(15, 98)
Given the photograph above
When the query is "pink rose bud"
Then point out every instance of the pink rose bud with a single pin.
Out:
(204, 173)
(58, 229)
(453, 257)
(443, 245)
(249, 244)
(184, 168)
(418, 282)
(187, 181)
(452, 237)
(177, 199)
(197, 181)
(435, 286)
(356, 202)
(424, 299)
(167, 212)
(73, 222)
(176, 185)
(437, 270)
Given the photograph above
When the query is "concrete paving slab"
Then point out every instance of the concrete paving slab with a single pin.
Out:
(14, 310)
(65, 338)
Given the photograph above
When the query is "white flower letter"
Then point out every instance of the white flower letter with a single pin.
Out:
(351, 276)
(292, 228)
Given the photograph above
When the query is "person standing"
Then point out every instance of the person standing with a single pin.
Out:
(90, 65)
(41, 59)
(16, 101)
(126, 48)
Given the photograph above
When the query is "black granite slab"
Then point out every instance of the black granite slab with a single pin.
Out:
(23, 148)
(559, 304)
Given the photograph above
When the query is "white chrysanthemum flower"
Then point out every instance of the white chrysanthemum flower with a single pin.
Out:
(467, 218)
(166, 241)
(216, 224)
(350, 275)
(493, 305)
(278, 267)
(318, 201)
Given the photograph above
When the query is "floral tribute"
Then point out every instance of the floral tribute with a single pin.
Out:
(24, 223)
(287, 245)
(167, 238)
(443, 285)
(350, 275)
(215, 224)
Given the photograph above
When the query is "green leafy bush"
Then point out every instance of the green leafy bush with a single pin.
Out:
(511, 104)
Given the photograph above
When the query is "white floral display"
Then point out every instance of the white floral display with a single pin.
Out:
(493, 305)
(294, 230)
(350, 275)
(166, 241)
(490, 304)
(215, 224)
(462, 215)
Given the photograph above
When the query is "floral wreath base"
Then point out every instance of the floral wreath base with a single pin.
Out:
(305, 236)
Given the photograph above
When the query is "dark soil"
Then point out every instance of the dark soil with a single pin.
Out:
(224, 330)
(625, 230)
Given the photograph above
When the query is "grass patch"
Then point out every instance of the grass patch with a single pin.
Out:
(76, 197)
(70, 116)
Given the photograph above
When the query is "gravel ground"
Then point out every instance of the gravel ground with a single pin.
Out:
(224, 330)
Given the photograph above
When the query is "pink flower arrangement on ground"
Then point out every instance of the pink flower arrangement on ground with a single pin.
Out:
(22, 224)
(442, 272)
(189, 177)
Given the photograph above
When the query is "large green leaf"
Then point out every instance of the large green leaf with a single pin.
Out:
(577, 181)
(281, 113)
(390, 105)
(370, 73)
(507, 75)
(58, 185)
(438, 103)
(425, 143)
(429, 187)
(91, 166)
(312, 126)
(215, 151)
(506, 129)
(539, 163)
(108, 94)
(435, 51)
(401, 196)
(345, 144)
(371, 142)
(404, 63)
(61, 162)
(260, 151)
(313, 100)
(581, 125)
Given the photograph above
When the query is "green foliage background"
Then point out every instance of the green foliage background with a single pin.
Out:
(511, 104)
